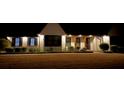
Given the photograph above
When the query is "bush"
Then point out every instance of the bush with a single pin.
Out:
(9, 50)
(117, 49)
(104, 46)
(114, 48)
(34, 50)
(4, 44)
(24, 49)
(17, 49)
(83, 49)
(121, 49)
(78, 48)
(71, 48)
(21, 49)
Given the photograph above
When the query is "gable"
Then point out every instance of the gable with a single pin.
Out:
(52, 29)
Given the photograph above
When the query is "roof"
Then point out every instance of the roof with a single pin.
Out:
(52, 29)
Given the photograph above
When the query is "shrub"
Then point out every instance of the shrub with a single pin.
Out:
(9, 50)
(24, 49)
(117, 49)
(121, 49)
(104, 46)
(83, 49)
(4, 44)
(78, 48)
(71, 48)
(34, 50)
(114, 48)
(17, 49)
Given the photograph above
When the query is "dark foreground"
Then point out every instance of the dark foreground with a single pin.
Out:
(62, 60)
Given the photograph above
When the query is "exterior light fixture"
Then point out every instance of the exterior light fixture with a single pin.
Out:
(105, 36)
(8, 38)
(39, 35)
(79, 35)
(24, 39)
(70, 35)
(90, 35)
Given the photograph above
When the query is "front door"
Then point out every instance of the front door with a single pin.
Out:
(87, 43)
(52, 43)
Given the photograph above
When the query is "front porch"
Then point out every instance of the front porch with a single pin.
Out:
(70, 43)
(61, 43)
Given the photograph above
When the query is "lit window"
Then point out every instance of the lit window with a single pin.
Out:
(32, 41)
(17, 42)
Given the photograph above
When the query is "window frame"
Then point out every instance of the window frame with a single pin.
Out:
(19, 41)
(30, 42)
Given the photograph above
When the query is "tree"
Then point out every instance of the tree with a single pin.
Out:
(4, 43)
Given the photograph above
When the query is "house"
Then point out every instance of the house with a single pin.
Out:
(54, 38)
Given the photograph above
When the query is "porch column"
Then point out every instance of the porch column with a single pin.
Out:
(41, 42)
(106, 39)
(24, 41)
(82, 43)
(94, 44)
(63, 42)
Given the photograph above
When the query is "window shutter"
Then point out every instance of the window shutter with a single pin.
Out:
(20, 41)
(35, 41)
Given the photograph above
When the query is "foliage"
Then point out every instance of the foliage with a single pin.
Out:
(83, 49)
(114, 48)
(104, 46)
(9, 50)
(4, 43)
(34, 50)
(117, 49)
(17, 49)
(21, 49)
(71, 48)
(24, 49)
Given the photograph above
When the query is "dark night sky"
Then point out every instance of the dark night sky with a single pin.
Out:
(30, 29)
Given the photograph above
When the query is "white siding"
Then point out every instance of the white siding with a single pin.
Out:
(63, 42)
(41, 42)
(82, 45)
(106, 39)
(10, 39)
(24, 41)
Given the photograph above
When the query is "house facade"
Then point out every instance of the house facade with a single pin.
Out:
(54, 38)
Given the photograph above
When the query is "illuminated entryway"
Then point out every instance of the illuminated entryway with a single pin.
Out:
(52, 43)
(53, 38)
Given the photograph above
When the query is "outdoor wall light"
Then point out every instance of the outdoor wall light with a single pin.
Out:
(8, 38)
(79, 35)
(39, 35)
(105, 36)
(24, 39)
(70, 35)
(90, 35)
